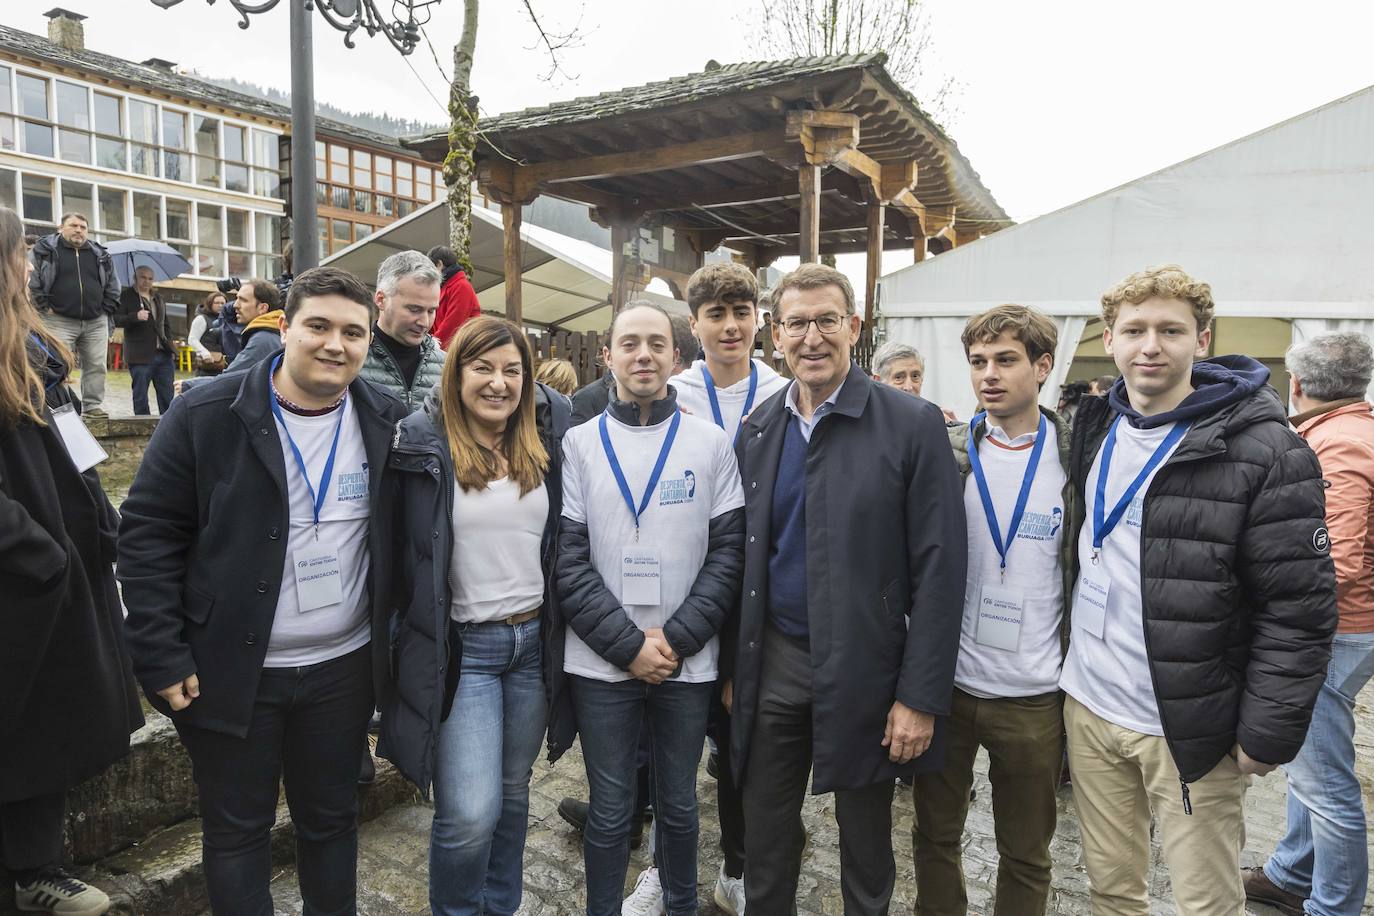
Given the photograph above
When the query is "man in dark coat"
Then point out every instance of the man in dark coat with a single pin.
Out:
(244, 553)
(591, 399)
(1204, 600)
(148, 348)
(843, 660)
(69, 702)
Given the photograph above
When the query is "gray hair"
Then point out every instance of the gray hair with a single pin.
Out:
(891, 352)
(403, 265)
(1332, 366)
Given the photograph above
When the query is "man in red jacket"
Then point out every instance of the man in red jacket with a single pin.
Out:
(457, 299)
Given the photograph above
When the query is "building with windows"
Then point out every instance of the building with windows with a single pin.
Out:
(147, 152)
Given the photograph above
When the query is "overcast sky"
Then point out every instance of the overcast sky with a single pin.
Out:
(1060, 100)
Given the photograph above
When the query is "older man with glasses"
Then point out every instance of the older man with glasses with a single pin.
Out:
(843, 661)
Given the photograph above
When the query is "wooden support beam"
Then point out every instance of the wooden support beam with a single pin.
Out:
(853, 162)
(510, 264)
(654, 159)
(626, 269)
(809, 222)
(918, 239)
(897, 178)
(874, 263)
(723, 196)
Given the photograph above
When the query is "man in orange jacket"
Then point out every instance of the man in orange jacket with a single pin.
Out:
(457, 299)
(1322, 861)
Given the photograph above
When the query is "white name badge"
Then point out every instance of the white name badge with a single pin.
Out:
(81, 446)
(1000, 610)
(640, 575)
(319, 582)
(1090, 604)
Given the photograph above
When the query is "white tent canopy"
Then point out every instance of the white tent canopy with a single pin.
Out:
(566, 282)
(1277, 222)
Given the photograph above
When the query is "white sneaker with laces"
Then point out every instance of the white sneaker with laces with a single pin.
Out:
(55, 891)
(647, 897)
(730, 893)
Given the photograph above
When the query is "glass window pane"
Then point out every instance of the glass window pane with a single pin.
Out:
(147, 216)
(236, 225)
(267, 233)
(7, 189)
(78, 197)
(38, 199)
(178, 219)
(322, 232)
(33, 96)
(236, 178)
(384, 174)
(107, 114)
(265, 150)
(266, 183)
(362, 169)
(142, 121)
(362, 230)
(5, 77)
(424, 183)
(38, 139)
(111, 210)
(240, 264)
(386, 206)
(209, 225)
(73, 106)
(338, 164)
(362, 201)
(111, 154)
(338, 197)
(75, 145)
(174, 130)
(209, 261)
(319, 151)
(234, 150)
(321, 194)
(8, 139)
(207, 151)
(343, 233)
(144, 161)
(405, 187)
(404, 207)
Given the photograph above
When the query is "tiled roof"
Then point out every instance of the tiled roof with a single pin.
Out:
(28, 44)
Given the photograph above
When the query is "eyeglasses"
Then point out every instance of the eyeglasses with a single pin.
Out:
(826, 324)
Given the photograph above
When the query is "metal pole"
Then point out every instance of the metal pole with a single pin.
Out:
(304, 244)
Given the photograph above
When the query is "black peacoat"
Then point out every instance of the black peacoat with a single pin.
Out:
(69, 701)
(885, 566)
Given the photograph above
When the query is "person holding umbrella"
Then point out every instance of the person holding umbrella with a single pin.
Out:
(148, 347)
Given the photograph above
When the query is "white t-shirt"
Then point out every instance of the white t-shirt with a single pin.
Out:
(334, 630)
(495, 565)
(1111, 675)
(1032, 568)
(690, 386)
(700, 481)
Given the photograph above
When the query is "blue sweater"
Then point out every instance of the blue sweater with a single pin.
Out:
(787, 552)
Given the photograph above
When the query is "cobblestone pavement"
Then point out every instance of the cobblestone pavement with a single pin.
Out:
(393, 854)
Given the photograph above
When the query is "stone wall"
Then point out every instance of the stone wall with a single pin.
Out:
(125, 438)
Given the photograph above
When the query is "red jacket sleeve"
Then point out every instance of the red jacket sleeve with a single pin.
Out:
(457, 303)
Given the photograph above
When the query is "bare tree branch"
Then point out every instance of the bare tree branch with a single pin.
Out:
(555, 42)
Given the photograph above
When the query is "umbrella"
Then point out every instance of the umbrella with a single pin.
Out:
(130, 254)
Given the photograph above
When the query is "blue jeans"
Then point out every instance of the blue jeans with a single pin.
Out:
(160, 373)
(486, 751)
(608, 721)
(1323, 856)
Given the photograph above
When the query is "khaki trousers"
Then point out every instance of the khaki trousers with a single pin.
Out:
(1120, 778)
(1024, 737)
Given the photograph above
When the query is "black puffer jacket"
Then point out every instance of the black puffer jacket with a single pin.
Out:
(1238, 587)
(413, 586)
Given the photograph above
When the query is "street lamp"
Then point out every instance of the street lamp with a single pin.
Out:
(347, 16)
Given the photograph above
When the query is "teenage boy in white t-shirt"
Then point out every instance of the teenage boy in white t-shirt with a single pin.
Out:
(650, 556)
(245, 557)
(1014, 459)
(1204, 601)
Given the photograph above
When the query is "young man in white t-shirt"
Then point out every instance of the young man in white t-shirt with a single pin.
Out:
(245, 556)
(1204, 601)
(1014, 458)
(650, 556)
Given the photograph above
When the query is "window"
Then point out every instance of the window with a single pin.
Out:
(235, 159)
(338, 197)
(179, 221)
(143, 133)
(405, 182)
(362, 230)
(236, 228)
(207, 150)
(362, 169)
(38, 199)
(424, 183)
(7, 138)
(74, 116)
(343, 234)
(210, 238)
(176, 166)
(322, 233)
(111, 152)
(386, 206)
(267, 241)
(7, 190)
(384, 174)
(112, 211)
(338, 164)
(147, 216)
(321, 194)
(404, 207)
(33, 101)
(79, 197)
(267, 159)
(362, 201)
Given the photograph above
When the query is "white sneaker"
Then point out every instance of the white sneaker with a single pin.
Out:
(55, 891)
(730, 893)
(647, 897)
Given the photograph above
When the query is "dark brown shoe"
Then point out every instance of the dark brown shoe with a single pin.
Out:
(1259, 889)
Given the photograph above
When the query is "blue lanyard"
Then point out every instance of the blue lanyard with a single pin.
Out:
(1104, 526)
(715, 401)
(51, 355)
(653, 478)
(316, 497)
(976, 464)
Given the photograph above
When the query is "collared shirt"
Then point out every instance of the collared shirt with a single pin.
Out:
(809, 426)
